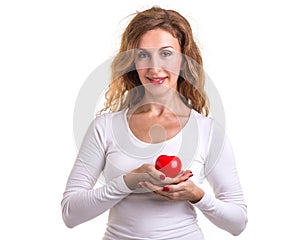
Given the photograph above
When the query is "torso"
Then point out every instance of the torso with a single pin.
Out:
(147, 215)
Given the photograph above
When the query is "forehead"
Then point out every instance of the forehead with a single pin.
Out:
(158, 38)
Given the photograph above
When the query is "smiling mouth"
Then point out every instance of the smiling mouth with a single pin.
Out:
(157, 81)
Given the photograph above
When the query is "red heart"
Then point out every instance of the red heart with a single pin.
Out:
(169, 165)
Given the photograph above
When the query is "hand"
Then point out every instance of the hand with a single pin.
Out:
(184, 190)
(146, 173)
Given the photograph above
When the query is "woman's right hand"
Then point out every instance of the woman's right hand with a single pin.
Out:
(148, 173)
(144, 173)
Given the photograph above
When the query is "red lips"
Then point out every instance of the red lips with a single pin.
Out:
(157, 80)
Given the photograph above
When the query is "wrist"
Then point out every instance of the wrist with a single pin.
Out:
(131, 180)
(197, 196)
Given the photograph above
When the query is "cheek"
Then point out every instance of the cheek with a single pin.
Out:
(173, 65)
(142, 65)
(141, 72)
(173, 70)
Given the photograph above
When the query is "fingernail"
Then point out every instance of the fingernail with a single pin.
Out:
(166, 189)
(140, 185)
(162, 177)
(188, 177)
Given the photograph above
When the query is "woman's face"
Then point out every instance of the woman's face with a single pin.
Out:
(158, 60)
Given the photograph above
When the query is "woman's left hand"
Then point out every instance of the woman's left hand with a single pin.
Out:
(184, 190)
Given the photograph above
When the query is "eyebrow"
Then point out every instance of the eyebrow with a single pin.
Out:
(145, 49)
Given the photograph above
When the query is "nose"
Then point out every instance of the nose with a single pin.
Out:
(155, 63)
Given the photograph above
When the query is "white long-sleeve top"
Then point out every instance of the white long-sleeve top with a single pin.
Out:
(110, 150)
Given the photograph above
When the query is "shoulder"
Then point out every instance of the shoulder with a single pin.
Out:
(107, 120)
(203, 122)
(108, 116)
(102, 125)
(211, 132)
(208, 122)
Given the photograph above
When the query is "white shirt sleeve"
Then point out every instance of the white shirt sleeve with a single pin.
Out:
(81, 202)
(226, 209)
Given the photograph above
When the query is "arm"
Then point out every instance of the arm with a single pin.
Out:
(80, 201)
(226, 209)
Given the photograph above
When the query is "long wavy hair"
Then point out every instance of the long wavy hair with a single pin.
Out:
(124, 89)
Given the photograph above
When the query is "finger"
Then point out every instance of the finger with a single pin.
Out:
(157, 175)
(175, 180)
(182, 186)
(171, 194)
(150, 175)
(184, 177)
(151, 187)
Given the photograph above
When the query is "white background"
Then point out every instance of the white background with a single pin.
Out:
(48, 48)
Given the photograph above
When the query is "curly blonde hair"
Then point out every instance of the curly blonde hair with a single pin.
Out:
(123, 91)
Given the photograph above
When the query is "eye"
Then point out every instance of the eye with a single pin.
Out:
(166, 53)
(142, 55)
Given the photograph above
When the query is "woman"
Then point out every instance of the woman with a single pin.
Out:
(157, 107)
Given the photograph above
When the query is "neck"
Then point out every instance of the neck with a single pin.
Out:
(170, 102)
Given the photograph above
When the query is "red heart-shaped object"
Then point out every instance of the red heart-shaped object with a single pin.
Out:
(169, 165)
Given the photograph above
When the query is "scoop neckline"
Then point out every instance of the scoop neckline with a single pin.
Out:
(162, 142)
